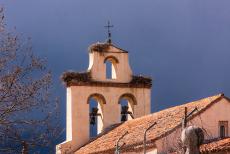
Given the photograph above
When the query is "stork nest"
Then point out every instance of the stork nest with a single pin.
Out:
(76, 77)
(141, 80)
(99, 47)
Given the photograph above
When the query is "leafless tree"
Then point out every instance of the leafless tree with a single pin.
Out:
(28, 114)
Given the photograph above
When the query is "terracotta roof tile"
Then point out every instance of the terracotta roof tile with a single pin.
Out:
(216, 146)
(213, 147)
(167, 120)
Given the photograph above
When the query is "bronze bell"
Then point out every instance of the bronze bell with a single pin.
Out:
(93, 115)
(124, 112)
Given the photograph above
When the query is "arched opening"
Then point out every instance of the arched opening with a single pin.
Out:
(95, 102)
(111, 67)
(127, 102)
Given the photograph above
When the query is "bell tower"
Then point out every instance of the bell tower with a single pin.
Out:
(109, 80)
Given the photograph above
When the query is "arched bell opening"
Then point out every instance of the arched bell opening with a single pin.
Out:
(96, 102)
(111, 67)
(127, 102)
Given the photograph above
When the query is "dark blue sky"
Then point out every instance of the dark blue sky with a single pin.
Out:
(183, 44)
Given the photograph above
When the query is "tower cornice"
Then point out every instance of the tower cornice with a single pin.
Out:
(84, 79)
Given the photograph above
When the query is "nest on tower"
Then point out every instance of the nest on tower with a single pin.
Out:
(99, 47)
(76, 77)
(139, 79)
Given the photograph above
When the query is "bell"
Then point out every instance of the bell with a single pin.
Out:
(124, 113)
(94, 111)
(93, 115)
(124, 117)
(92, 120)
(124, 109)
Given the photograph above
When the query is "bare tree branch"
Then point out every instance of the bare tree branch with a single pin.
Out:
(28, 112)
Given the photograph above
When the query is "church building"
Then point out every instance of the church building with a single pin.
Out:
(122, 115)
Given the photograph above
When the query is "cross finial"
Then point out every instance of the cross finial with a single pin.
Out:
(109, 33)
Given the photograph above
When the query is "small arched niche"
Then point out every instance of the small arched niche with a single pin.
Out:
(96, 102)
(127, 102)
(111, 67)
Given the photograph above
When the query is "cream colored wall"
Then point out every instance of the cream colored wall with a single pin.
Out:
(209, 120)
(111, 110)
(151, 151)
(97, 67)
(68, 115)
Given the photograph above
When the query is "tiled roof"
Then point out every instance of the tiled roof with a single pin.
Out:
(167, 121)
(221, 145)
(216, 146)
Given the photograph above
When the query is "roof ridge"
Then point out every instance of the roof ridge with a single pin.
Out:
(196, 101)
